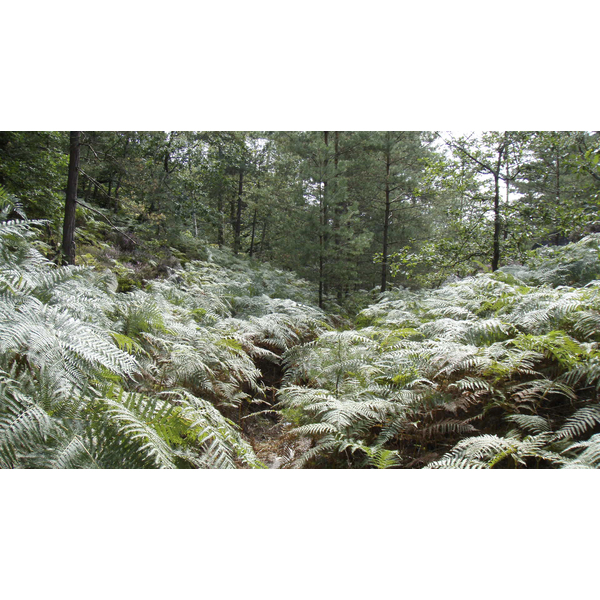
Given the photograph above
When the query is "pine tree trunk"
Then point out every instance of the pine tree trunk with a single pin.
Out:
(238, 214)
(497, 223)
(321, 249)
(116, 198)
(325, 244)
(323, 217)
(220, 236)
(71, 200)
(253, 230)
(507, 203)
(84, 191)
(386, 223)
(557, 237)
(263, 237)
(338, 212)
(497, 217)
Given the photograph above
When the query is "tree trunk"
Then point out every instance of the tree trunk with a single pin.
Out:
(386, 223)
(238, 214)
(497, 223)
(558, 234)
(325, 226)
(84, 191)
(253, 230)
(321, 250)
(71, 200)
(507, 203)
(116, 198)
(263, 237)
(220, 236)
(338, 211)
(497, 217)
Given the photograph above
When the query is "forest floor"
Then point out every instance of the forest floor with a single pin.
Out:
(271, 443)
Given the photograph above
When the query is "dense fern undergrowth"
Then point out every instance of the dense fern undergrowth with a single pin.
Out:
(499, 370)
(94, 378)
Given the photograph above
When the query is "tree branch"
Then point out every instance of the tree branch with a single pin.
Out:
(106, 219)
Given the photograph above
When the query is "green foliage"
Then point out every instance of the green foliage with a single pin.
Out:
(95, 378)
(455, 368)
(158, 350)
(575, 264)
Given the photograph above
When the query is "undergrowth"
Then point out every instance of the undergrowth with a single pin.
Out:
(92, 377)
(497, 370)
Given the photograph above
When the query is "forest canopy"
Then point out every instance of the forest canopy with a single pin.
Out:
(334, 299)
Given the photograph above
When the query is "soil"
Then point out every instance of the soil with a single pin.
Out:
(270, 441)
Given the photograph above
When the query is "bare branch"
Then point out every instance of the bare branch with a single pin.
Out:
(106, 219)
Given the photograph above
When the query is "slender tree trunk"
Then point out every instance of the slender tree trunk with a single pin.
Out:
(262, 238)
(321, 249)
(84, 191)
(71, 200)
(88, 192)
(323, 224)
(325, 228)
(116, 198)
(338, 213)
(557, 175)
(220, 236)
(232, 213)
(494, 171)
(386, 223)
(253, 230)
(497, 223)
(506, 204)
(238, 214)
(120, 178)
(557, 237)
(497, 216)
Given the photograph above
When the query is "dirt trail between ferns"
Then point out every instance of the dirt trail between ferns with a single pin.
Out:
(270, 442)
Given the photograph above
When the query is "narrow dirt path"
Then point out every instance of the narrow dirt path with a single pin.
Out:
(271, 443)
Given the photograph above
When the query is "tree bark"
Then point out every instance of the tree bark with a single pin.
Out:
(253, 230)
(386, 221)
(116, 198)
(321, 227)
(557, 236)
(238, 214)
(263, 238)
(338, 211)
(68, 244)
(220, 207)
(497, 216)
(324, 238)
(220, 236)
(497, 223)
(495, 172)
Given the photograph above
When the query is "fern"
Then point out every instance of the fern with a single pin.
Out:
(581, 421)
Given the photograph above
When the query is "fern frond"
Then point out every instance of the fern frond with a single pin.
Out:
(582, 420)
(533, 424)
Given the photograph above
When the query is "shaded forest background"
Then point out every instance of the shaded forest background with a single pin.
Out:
(349, 211)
